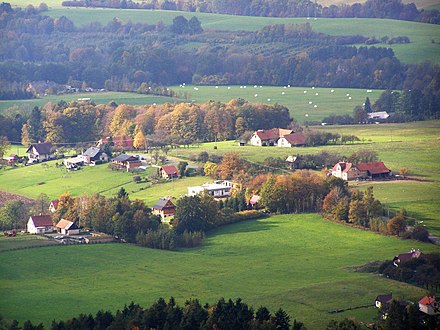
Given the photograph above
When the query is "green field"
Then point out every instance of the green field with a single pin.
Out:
(23, 242)
(297, 262)
(98, 98)
(294, 98)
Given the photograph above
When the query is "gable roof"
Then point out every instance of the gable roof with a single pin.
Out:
(272, 134)
(408, 256)
(169, 169)
(295, 138)
(55, 203)
(345, 166)
(385, 298)
(92, 152)
(160, 204)
(373, 167)
(41, 148)
(426, 300)
(66, 224)
(41, 220)
(125, 158)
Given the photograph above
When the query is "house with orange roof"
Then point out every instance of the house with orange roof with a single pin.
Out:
(268, 137)
(168, 172)
(350, 171)
(429, 305)
(292, 140)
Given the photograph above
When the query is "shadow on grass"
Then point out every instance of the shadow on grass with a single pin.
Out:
(246, 226)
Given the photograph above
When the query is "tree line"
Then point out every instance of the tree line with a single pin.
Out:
(224, 314)
(122, 56)
(393, 9)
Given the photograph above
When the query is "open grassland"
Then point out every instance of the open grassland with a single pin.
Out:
(46, 178)
(421, 35)
(297, 262)
(301, 101)
(419, 3)
(98, 98)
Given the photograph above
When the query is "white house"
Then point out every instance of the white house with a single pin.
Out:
(39, 152)
(40, 224)
(268, 137)
(292, 140)
(218, 189)
(378, 115)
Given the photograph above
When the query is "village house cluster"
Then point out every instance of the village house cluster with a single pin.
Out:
(278, 137)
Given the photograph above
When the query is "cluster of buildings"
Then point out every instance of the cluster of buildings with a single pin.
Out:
(350, 171)
(278, 137)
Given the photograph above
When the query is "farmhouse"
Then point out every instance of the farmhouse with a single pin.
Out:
(164, 207)
(168, 172)
(349, 171)
(292, 140)
(128, 162)
(67, 227)
(268, 137)
(218, 189)
(429, 305)
(413, 254)
(39, 152)
(40, 224)
(93, 155)
(53, 205)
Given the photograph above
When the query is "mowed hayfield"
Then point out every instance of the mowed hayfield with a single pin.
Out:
(98, 98)
(298, 262)
(304, 103)
(301, 101)
(421, 35)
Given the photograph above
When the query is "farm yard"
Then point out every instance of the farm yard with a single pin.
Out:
(298, 262)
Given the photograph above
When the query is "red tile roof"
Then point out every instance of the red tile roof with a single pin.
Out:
(41, 220)
(170, 169)
(373, 167)
(55, 203)
(345, 167)
(272, 134)
(426, 300)
(296, 138)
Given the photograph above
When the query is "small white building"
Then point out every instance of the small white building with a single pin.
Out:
(40, 224)
(67, 227)
(218, 189)
(378, 115)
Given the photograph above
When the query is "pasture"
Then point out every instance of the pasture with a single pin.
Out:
(301, 101)
(98, 98)
(298, 262)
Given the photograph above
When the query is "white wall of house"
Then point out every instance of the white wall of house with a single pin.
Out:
(255, 140)
(282, 142)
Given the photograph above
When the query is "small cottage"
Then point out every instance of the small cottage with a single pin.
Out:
(40, 224)
(164, 207)
(218, 189)
(383, 300)
(128, 162)
(93, 155)
(292, 140)
(168, 172)
(403, 257)
(53, 205)
(429, 305)
(67, 227)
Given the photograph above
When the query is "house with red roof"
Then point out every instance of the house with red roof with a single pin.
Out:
(429, 305)
(292, 140)
(168, 172)
(268, 137)
(124, 142)
(40, 224)
(128, 162)
(350, 171)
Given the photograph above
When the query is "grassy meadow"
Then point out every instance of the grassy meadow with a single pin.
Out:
(98, 98)
(298, 262)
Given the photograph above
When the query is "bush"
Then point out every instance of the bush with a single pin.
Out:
(137, 179)
(420, 234)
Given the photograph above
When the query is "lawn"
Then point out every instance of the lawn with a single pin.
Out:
(98, 98)
(297, 262)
